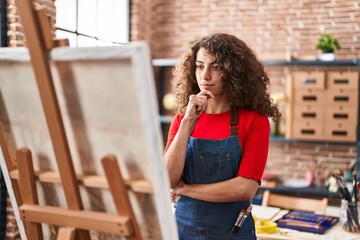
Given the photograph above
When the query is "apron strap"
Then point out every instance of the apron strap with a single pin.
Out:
(234, 122)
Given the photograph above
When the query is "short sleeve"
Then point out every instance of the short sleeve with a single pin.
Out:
(174, 127)
(255, 148)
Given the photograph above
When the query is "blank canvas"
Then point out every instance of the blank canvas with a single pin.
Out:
(108, 104)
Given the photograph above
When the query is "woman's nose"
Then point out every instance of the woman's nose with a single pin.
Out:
(206, 74)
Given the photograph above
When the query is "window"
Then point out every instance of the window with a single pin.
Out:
(93, 22)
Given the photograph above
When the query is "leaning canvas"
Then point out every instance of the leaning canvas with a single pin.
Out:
(108, 104)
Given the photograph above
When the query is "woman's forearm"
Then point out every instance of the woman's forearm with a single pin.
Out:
(175, 155)
(236, 189)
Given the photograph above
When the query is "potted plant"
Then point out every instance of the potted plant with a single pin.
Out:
(327, 44)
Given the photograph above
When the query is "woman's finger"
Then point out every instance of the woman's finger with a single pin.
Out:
(203, 105)
(197, 104)
(206, 93)
(200, 105)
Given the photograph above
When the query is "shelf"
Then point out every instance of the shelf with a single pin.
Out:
(336, 63)
(164, 62)
(166, 119)
(292, 140)
(313, 191)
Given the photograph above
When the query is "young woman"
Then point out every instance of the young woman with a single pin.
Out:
(218, 142)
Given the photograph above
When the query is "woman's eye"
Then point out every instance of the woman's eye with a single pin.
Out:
(199, 66)
(216, 68)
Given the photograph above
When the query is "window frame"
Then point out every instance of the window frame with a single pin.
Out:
(99, 41)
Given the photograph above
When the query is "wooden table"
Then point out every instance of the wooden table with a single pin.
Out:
(334, 233)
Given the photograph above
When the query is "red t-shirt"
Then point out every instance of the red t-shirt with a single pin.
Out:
(253, 133)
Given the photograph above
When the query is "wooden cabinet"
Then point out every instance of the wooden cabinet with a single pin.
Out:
(324, 105)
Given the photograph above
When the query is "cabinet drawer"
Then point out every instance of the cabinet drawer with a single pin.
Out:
(309, 96)
(345, 114)
(340, 131)
(342, 97)
(308, 112)
(308, 130)
(342, 80)
(309, 80)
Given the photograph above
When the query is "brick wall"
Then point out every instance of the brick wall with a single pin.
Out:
(16, 37)
(143, 23)
(293, 160)
(269, 27)
(272, 28)
(12, 232)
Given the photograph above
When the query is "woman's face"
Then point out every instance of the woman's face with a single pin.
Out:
(208, 75)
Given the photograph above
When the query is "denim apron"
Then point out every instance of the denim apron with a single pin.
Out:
(210, 161)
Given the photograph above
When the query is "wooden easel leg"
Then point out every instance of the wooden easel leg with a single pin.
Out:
(66, 233)
(10, 164)
(36, 28)
(119, 192)
(28, 190)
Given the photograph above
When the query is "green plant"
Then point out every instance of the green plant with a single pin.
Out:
(327, 43)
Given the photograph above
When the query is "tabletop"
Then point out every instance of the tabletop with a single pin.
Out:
(270, 213)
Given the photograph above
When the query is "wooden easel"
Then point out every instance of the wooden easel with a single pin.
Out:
(74, 222)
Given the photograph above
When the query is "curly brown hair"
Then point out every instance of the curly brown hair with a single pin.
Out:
(244, 78)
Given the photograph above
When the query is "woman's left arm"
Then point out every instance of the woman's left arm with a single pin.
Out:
(235, 189)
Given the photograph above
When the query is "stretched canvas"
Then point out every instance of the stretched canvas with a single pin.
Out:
(108, 104)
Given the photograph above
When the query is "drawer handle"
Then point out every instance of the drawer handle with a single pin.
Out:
(339, 133)
(341, 115)
(308, 131)
(309, 98)
(310, 81)
(341, 99)
(341, 81)
(309, 115)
